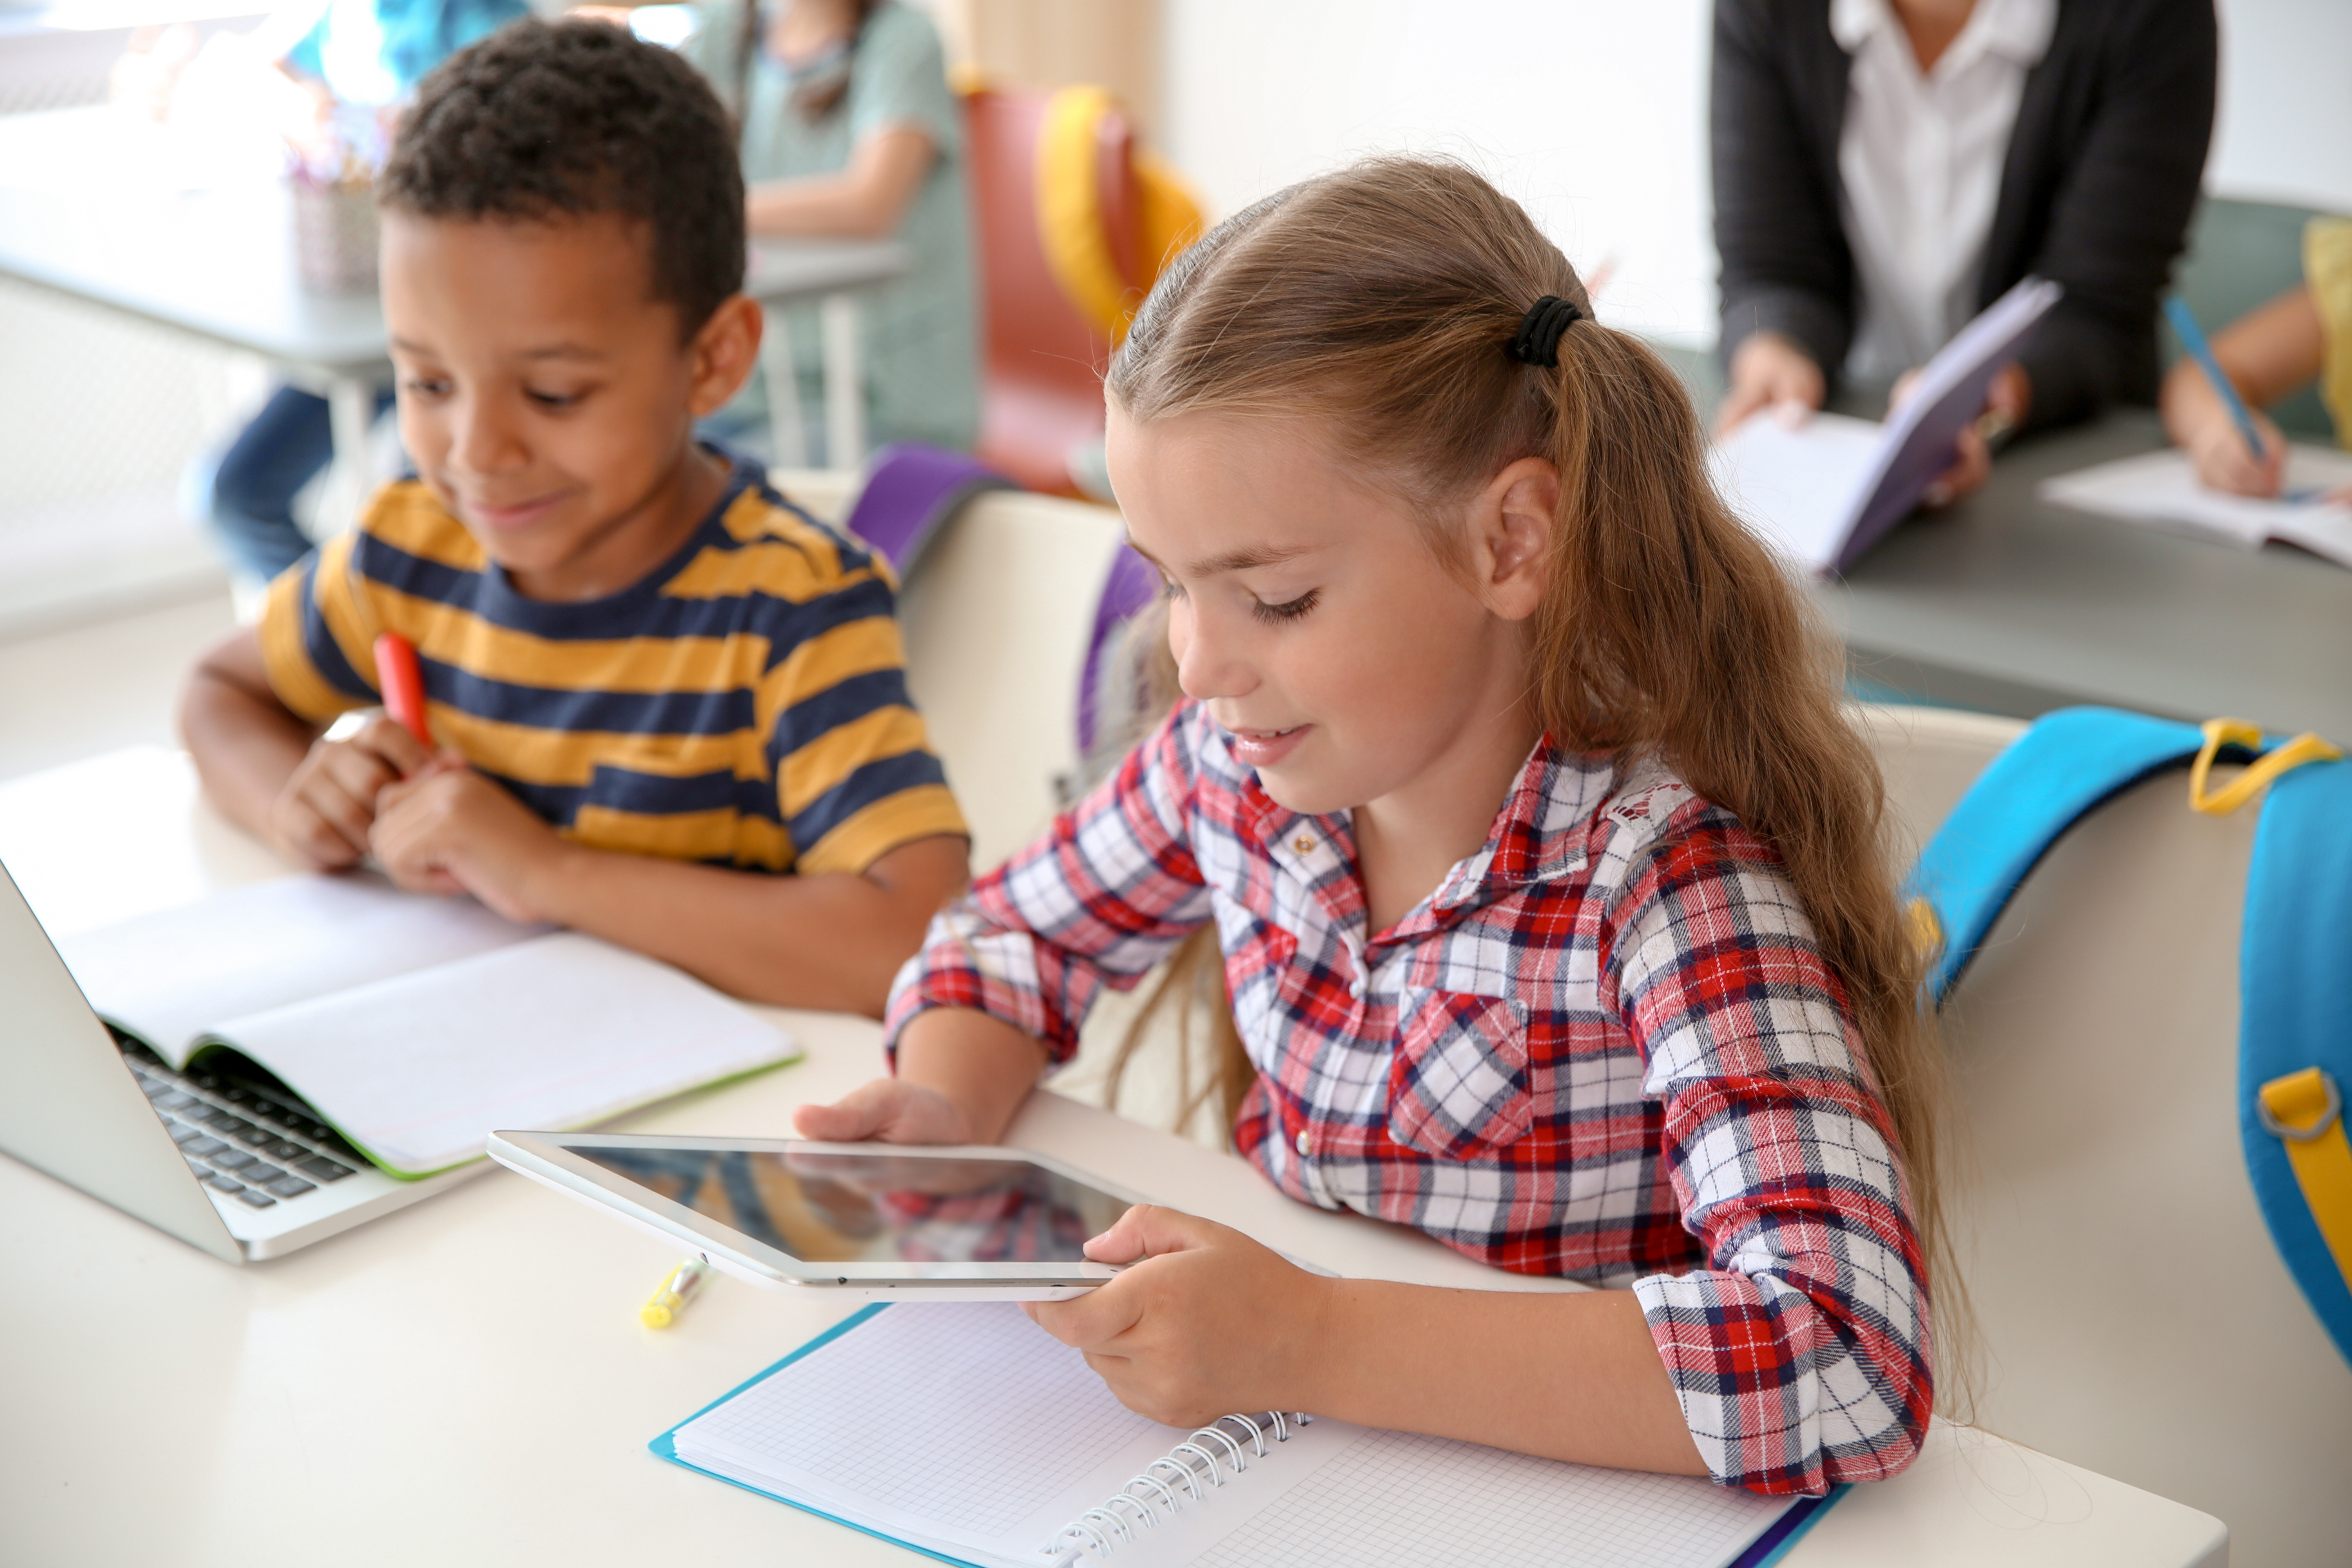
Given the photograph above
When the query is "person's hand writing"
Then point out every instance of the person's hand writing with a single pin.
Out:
(1768, 371)
(450, 830)
(1203, 1322)
(885, 1111)
(2006, 400)
(2218, 449)
(322, 818)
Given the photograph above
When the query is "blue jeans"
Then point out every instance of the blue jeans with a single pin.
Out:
(251, 506)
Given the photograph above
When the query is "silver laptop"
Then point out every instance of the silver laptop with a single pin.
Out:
(228, 1160)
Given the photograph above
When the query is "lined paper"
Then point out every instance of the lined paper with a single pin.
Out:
(417, 1025)
(560, 1032)
(167, 977)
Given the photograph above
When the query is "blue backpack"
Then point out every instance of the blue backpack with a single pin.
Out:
(2294, 974)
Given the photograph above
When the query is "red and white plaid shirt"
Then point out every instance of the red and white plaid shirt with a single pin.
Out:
(1606, 1047)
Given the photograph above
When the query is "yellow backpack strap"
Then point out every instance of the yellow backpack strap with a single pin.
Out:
(2305, 1111)
(2236, 732)
(1070, 223)
(1172, 219)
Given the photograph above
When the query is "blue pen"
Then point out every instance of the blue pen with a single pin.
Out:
(2184, 325)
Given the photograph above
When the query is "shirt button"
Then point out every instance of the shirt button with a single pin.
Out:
(1306, 1144)
(1356, 987)
(1303, 844)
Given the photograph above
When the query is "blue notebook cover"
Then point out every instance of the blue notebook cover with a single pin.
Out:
(1762, 1553)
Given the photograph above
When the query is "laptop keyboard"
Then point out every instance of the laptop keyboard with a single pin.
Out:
(245, 1141)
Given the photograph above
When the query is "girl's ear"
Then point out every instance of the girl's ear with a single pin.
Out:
(1510, 537)
(724, 354)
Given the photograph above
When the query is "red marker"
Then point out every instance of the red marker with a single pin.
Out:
(397, 677)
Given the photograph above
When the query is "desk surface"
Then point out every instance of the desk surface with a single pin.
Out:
(2009, 604)
(99, 207)
(466, 1380)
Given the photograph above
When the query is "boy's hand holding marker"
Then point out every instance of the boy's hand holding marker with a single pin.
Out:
(441, 827)
(323, 817)
(447, 829)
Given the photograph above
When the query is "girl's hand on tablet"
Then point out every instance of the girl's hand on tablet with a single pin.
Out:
(886, 1110)
(1203, 1322)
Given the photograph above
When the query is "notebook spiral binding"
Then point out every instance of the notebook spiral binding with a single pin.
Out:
(1191, 1465)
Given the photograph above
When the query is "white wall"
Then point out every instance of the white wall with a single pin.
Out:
(2285, 130)
(1590, 112)
(1594, 114)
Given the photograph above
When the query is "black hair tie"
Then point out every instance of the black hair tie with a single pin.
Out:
(1541, 329)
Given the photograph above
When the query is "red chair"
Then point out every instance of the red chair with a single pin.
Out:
(1074, 224)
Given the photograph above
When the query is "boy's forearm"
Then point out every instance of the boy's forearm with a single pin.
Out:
(830, 941)
(1568, 1376)
(244, 746)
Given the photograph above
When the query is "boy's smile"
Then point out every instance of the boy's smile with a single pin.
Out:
(546, 396)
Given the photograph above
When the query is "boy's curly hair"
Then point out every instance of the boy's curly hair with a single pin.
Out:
(547, 120)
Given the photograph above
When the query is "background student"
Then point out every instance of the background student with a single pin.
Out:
(1544, 861)
(1883, 169)
(849, 129)
(2270, 354)
(660, 688)
(365, 55)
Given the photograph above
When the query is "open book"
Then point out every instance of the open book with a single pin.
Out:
(1825, 491)
(2160, 489)
(968, 1432)
(415, 1026)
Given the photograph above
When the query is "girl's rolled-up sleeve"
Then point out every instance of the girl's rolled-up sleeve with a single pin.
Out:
(1801, 1350)
(1109, 892)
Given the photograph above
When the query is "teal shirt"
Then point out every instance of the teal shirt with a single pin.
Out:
(919, 337)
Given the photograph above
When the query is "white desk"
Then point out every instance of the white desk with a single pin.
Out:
(465, 1381)
(198, 236)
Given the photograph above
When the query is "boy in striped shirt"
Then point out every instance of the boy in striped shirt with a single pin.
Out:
(671, 707)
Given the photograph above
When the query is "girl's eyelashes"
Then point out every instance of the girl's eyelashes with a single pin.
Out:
(1273, 615)
(1290, 610)
(424, 386)
(555, 400)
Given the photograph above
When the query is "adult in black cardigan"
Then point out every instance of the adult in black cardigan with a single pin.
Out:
(2097, 188)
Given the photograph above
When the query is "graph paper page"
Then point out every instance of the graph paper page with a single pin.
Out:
(969, 1430)
(1392, 1496)
(963, 1426)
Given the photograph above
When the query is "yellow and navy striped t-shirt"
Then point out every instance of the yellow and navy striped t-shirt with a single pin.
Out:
(744, 705)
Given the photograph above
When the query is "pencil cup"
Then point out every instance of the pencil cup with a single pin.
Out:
(334, 235)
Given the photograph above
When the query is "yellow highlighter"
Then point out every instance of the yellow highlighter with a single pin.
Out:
(683, 1284)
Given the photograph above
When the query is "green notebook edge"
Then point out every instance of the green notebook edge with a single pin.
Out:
(1767, 1549)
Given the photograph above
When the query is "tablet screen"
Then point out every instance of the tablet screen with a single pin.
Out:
(883, 1207)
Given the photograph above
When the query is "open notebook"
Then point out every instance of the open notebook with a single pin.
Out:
(415, 1025)
(968, 1432)
(2161, 489)
(1823, 491)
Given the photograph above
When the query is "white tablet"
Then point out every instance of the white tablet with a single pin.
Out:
(951, 1223)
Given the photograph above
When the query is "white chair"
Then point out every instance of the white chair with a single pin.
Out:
(997, 617)
(2134, 1317)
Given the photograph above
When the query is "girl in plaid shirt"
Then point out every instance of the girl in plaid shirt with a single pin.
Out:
(1546, 868)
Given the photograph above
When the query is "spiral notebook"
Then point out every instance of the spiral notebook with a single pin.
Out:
(970, 1434)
